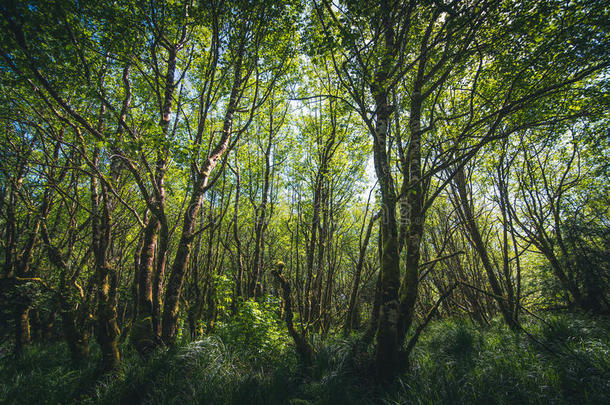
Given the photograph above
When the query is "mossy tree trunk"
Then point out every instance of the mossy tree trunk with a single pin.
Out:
(387, 331)
(304, 349)
(179, 266)
(22, 328)
(101, 226)
(142, 333)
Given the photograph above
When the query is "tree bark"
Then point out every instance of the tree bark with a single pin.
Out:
(387, 331)
(352, 306)
(142, 333)
(178, 271)
(262, 219)
(303, 347)
(101, 226)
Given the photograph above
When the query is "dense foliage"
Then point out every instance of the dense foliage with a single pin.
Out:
(270, 200)
(455, 362)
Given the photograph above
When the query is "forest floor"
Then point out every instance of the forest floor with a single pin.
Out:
(562, 360)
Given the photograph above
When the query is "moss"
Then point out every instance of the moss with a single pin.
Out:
(141, 335)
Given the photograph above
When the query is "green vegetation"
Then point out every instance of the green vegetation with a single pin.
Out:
(565, 361)
(304, 201)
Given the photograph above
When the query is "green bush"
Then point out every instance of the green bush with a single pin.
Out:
(256, 333)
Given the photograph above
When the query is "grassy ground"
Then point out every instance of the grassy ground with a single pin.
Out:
(455, 362)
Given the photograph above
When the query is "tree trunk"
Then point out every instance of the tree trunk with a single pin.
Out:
(352, 306)
(415, 216)
(142, 333)
(77, 339)
(101, 223)
(22, 328)
(239, 282)
(387, 331)
(261, 225)
(159, 277)
(303, 347)
(176, 278)
(478, 244)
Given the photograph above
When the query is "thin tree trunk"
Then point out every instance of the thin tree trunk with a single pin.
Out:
(176, 278)
(261, 220)
(479, 246)
(303, 347)
(352, 307)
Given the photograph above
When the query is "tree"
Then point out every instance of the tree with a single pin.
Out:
(413, 57)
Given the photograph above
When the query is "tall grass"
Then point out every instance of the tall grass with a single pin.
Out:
(45, 374)
(563, 360)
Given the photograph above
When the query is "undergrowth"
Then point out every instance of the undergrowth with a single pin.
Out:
(564, 359)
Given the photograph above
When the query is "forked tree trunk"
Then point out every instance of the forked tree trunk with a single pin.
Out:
(176, 278)
(76, 338)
